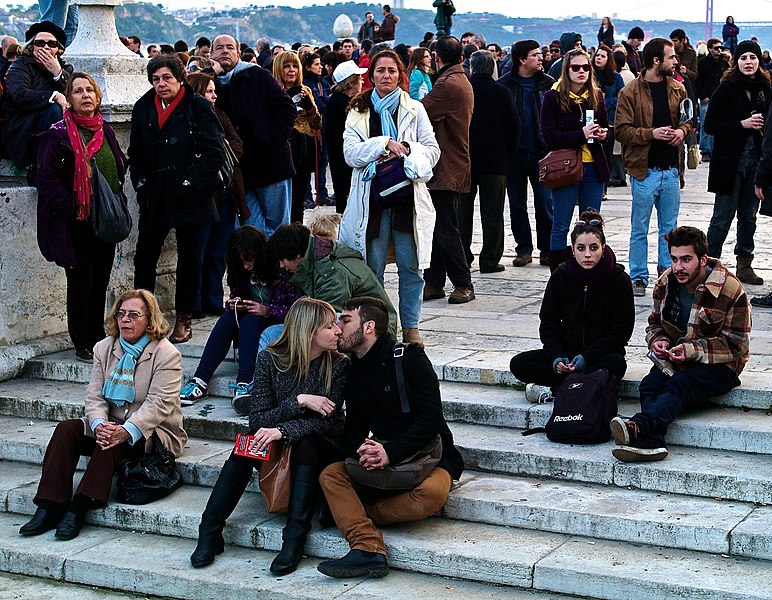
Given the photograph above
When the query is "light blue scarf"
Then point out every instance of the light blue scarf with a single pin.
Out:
(240, 66)
(384, 107)
(119, 386)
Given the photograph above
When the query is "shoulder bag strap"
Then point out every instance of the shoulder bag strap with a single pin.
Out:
(399, 351)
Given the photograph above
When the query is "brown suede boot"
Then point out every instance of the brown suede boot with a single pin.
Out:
(410, 335)
(745, 272)
(183, 329)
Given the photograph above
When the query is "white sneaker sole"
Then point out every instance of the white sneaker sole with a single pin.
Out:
(631, 454)
(619, 431)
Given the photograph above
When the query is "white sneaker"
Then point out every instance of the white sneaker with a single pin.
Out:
(538, 394)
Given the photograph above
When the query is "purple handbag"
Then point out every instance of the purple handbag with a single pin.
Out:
(391, 186)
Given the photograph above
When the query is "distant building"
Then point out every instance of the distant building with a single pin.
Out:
(397, 4)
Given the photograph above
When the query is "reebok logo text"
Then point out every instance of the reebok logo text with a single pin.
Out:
(559, 419)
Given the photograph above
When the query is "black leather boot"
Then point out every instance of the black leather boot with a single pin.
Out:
(299, 514)
(229, 488)
(46, 518)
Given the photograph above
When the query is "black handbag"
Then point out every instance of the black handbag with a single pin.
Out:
(391, 185)
(765, 207)
(150, 477)
(110, 216)
(412, 471)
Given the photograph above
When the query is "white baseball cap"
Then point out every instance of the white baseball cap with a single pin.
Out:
(345, 70)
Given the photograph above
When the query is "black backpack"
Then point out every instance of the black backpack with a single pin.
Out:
(583, 408)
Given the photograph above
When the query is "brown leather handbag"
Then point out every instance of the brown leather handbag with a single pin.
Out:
(561, 168)
(275, 478)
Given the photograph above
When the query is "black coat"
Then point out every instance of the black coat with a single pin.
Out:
(56, 207)
(764, 168)
(709, 72)
(495, 127)
(729, 105)
(373, 405)
(175, 170)
(591, 320)
(264, 116)
(606, 37)
(543, 84)
(28, 88)
(335, 124)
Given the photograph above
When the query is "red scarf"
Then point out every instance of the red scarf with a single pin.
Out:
(82, 187)
(163, 115)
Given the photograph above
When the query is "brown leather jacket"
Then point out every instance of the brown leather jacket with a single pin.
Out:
(450, 105)
(633, 125)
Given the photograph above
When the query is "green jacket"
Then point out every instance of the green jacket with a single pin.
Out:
(340, 275)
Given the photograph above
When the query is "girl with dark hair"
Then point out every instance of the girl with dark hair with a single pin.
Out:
(565, 126)
(312, 77)
(298, 399)
(730, 33)
(587, 315)
(610, 82)
(418, 71)
(606, 32)
(261, 295)
(735, 117)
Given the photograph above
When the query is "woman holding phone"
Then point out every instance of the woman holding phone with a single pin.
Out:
(574, 116)
(297, 399)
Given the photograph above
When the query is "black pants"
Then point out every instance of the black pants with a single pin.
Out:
(535, 366)
(448, 257)
(87, 286)
(493, 190)
(341, 184)
(149, 245)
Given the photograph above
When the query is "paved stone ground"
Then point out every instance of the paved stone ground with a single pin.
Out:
(503, 319)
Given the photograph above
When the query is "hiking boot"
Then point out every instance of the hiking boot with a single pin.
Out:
(433, 292)
(461, 295)
(745, 272)
(492, 269)
(410, 335)
(623, 431)
(538, 394)
(635, 454)
(522, 259)
(639, 288)
(357, 563)
(193, 390)
(762, 301)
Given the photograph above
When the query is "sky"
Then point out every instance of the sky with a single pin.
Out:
(687, 10)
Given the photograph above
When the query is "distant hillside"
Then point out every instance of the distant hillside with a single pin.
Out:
(314, 24)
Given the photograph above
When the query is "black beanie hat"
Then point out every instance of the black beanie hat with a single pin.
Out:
(48, 27)
(747, 46)
(636, 33)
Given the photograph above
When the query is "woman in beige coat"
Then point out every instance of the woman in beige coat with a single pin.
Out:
(134, 391)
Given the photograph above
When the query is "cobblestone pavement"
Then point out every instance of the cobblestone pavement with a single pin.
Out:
(504, 316)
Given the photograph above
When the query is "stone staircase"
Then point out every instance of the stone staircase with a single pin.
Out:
(529, 518)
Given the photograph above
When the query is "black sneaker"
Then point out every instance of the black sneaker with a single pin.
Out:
(84, 355)
(762, 301)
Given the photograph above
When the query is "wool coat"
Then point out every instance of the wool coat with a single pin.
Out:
(56, 206)
(157, 381)
(495, 127)
(175, 170)
(450, 105)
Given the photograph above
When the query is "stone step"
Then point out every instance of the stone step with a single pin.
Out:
(456, 366)
(158, 566)
(21, 586)
(718, 428)
(161, 536)
(597, 510)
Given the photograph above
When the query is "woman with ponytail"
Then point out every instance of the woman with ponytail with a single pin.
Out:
(587, 315)
(65, 193)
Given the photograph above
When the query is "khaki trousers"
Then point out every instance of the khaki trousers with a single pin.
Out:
(357, 521)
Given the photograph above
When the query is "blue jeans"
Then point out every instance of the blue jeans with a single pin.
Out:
(411, 283)
(589, 193)
(743, 202)
(663, 190)
(270, 335)
(245, 334)
(212, 247)
(706, 140)
(61, 14)
(663, 398)
(525, 167)
(269, 205)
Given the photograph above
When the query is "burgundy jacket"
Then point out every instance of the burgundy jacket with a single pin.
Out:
(56, 206)
(564, 130)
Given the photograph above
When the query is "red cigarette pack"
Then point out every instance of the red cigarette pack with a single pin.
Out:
(243, 444)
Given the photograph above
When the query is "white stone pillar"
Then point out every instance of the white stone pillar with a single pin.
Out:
(97, 50)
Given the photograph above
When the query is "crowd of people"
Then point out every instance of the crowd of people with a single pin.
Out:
(411, 136)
